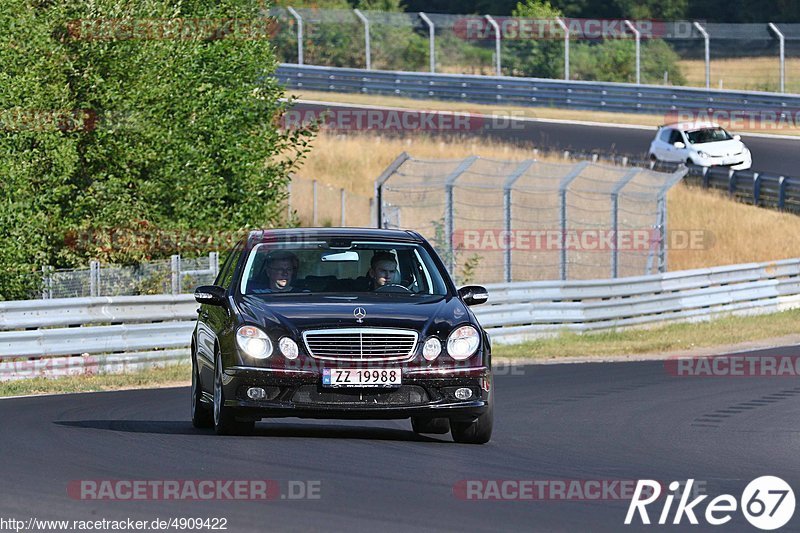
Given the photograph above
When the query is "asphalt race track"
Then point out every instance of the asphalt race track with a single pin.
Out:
(772, 155)
(605, 421)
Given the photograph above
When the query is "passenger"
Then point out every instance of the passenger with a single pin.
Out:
(281, 267)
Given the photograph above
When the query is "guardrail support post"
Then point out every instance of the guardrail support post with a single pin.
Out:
(756, 188)
(781, 192)
(367, 47)
(638, 36)
(565, 29)
(731, 182)
(507, 188)
(175, 263)
(431, 41)
(299, 20)
(94, 278)
(708, 53)
(497, 63)
(782, 51)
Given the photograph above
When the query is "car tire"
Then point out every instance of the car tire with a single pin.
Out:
(479, 431)
(225, 422)
(202, 416)
(653, 158)
(689, 162)
(437, 426)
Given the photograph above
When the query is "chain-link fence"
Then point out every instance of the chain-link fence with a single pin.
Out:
(739, 56)
(170, 276)
(498, 221)
(314, 204)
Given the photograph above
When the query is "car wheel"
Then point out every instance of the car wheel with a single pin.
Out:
(653, 158)
(438, 426)
(201, 414)
(689, 161)
(479, 431)
(225, 422)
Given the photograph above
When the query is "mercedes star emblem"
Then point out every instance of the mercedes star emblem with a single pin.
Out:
(359, 313)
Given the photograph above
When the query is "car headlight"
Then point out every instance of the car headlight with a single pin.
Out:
(254, 342)
(288, 348)
(463, 342)
(431, 349)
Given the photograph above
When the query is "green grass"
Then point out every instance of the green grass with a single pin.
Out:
(155, 377)
(666, 338)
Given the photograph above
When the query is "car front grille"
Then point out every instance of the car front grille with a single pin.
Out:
(361, 344)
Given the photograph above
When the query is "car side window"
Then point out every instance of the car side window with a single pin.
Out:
(665, 133)
(225, 275)
(675, 137)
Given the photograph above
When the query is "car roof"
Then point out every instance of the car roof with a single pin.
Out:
(296, 234)
(691, 126)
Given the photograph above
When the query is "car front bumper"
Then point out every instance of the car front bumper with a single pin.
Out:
(301, 394)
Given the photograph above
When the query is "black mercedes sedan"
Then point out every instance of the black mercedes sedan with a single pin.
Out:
(340, 323)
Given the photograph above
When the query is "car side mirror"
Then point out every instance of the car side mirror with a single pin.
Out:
(737, 137)
(679, 145)
(473, 294)
(210, 294)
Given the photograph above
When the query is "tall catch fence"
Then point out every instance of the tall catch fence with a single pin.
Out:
(761, 57)
(502, 221)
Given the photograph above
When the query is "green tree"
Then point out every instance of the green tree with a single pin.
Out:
(182, 132)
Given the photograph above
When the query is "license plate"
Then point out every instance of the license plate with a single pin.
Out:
(360, 377)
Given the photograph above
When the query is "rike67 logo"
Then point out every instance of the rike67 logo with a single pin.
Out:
(767, 503)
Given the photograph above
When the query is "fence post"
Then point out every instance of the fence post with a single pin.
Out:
(431, 41)
(94, 278)
(448, 210)
(781, 192)
(213, 263)
(497, 63)
(47, 282)
(562, 209)
(756, 188)
(367, 47)
(507, 188)
(314, 203)
(782, 51)
(638, 36)
(175, 263)
(708, 53)
(615, 218)
(385, 175)
(299, 20)
(342, 195)
(566, 47)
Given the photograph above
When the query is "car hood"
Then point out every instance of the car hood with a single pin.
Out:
(296, 313)
(720, 148)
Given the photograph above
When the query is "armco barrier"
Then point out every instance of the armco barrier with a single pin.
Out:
(504, 90)
(130, 332)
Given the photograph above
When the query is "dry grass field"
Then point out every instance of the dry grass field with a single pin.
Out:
(747, 73)
(732, 232)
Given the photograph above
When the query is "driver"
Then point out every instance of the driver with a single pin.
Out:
(383, 269)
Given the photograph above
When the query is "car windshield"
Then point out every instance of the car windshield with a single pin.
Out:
(708, 135)
(316, 267)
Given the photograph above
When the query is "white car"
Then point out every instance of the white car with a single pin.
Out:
(705, 144)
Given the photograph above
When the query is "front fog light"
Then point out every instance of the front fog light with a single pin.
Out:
(288, 348)
(431, 349)
(254, 342)
(256, 393)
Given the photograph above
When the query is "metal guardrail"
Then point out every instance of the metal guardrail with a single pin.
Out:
(504, 90)
(144, 331)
